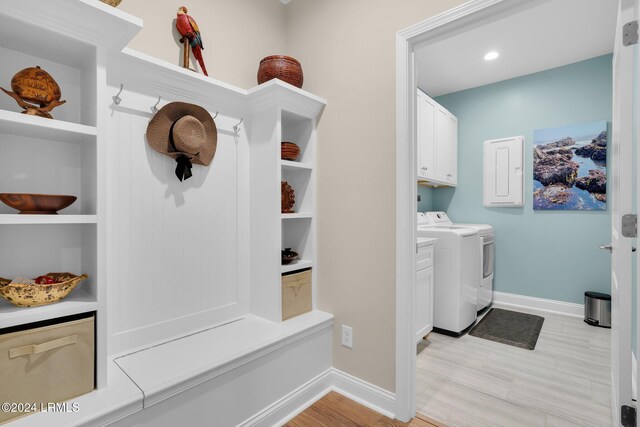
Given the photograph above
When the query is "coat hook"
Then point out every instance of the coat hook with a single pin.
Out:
(116, 98)
(154, 109)
(214, 117)
(236, 128)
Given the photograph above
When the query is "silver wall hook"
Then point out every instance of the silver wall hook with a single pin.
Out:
(214, 117)
(116, 98)
(154, 109)
(236, 128)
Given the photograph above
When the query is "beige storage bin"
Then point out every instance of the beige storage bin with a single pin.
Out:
(46, 365)
(296, 294)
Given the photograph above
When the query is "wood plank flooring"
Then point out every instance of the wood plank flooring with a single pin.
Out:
(335, 410)
(474, 382)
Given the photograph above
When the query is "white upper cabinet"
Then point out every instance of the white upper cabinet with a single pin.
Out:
(437, 151)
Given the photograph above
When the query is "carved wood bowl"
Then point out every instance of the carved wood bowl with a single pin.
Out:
(289, 151)
(288, 197)
(31, 295)
(37, 204)
(281, 67)
(113, 3)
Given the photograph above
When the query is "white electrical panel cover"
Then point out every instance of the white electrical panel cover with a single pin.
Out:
(503, 175)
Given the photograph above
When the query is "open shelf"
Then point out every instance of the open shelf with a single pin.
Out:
(78, 301)
(297, 215)
(18, 124)
(8, 219)
(288, 164)
(299, 265)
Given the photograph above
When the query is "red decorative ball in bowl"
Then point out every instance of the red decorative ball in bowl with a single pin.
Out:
(37, 204)
(281, 67)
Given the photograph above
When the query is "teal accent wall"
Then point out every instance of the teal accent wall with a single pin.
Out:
(545, 254)
(426, 196)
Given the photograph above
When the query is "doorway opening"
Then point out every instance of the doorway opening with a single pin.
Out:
(505, 70)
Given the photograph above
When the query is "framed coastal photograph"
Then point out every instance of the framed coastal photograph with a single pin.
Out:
(570, 167)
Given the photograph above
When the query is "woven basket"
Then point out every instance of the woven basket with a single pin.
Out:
(281, 67)
(113, 3)
(31, 295)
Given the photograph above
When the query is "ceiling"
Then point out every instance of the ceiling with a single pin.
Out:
(550, 34)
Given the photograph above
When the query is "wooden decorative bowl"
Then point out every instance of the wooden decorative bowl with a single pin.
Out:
(289, 151)
(288, 197)
(281, 67)
(31, 295)
(37, 204)
(113, 3)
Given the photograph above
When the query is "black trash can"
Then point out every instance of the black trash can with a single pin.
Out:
(597, 309)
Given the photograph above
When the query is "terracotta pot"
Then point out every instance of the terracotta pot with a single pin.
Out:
(280, 67)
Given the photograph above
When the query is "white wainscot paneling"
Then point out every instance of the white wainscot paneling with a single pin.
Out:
(173, 246)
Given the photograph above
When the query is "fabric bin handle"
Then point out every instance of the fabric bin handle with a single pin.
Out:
(295, 286)
(41, 348)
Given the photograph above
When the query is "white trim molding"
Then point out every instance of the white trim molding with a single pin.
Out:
(369, 395)
(550, 306)
(465, 16)
(634, 376)
(287, 408)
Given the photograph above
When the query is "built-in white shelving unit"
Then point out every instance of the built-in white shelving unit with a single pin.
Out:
(65, 155)
(81, 43)
(291, 117)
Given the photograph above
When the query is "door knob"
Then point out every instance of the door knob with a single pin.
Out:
(607, 247)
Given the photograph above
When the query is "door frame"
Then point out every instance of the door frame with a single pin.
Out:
(464, 17)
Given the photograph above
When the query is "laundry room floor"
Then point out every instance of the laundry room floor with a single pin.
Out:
(565, 381)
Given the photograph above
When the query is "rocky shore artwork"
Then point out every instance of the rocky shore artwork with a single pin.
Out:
(570, 167)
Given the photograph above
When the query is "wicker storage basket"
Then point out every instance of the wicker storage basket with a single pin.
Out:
(31, 295)
(281, 67)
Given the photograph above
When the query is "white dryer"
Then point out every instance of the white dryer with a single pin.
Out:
(487, 254)
(456, 263)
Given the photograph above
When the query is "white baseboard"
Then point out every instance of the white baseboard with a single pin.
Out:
(369, 395)
(285, 409)
(541, 304)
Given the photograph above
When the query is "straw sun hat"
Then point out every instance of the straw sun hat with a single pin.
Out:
(186, 133)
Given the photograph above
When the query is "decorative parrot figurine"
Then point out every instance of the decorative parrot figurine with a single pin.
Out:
(188, 29)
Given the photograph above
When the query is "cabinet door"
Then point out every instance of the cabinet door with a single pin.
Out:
(426, 135)
(446, 146)
(423, 303)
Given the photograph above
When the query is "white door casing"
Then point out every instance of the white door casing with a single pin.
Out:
(621, 197)
(452, 20)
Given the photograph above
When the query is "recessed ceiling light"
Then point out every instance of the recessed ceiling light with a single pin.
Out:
(491, 55)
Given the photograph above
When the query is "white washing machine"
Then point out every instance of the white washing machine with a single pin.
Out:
(456, 263)
(487, 254)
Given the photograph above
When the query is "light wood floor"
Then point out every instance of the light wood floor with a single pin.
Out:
(474, 382)
(335, 410)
